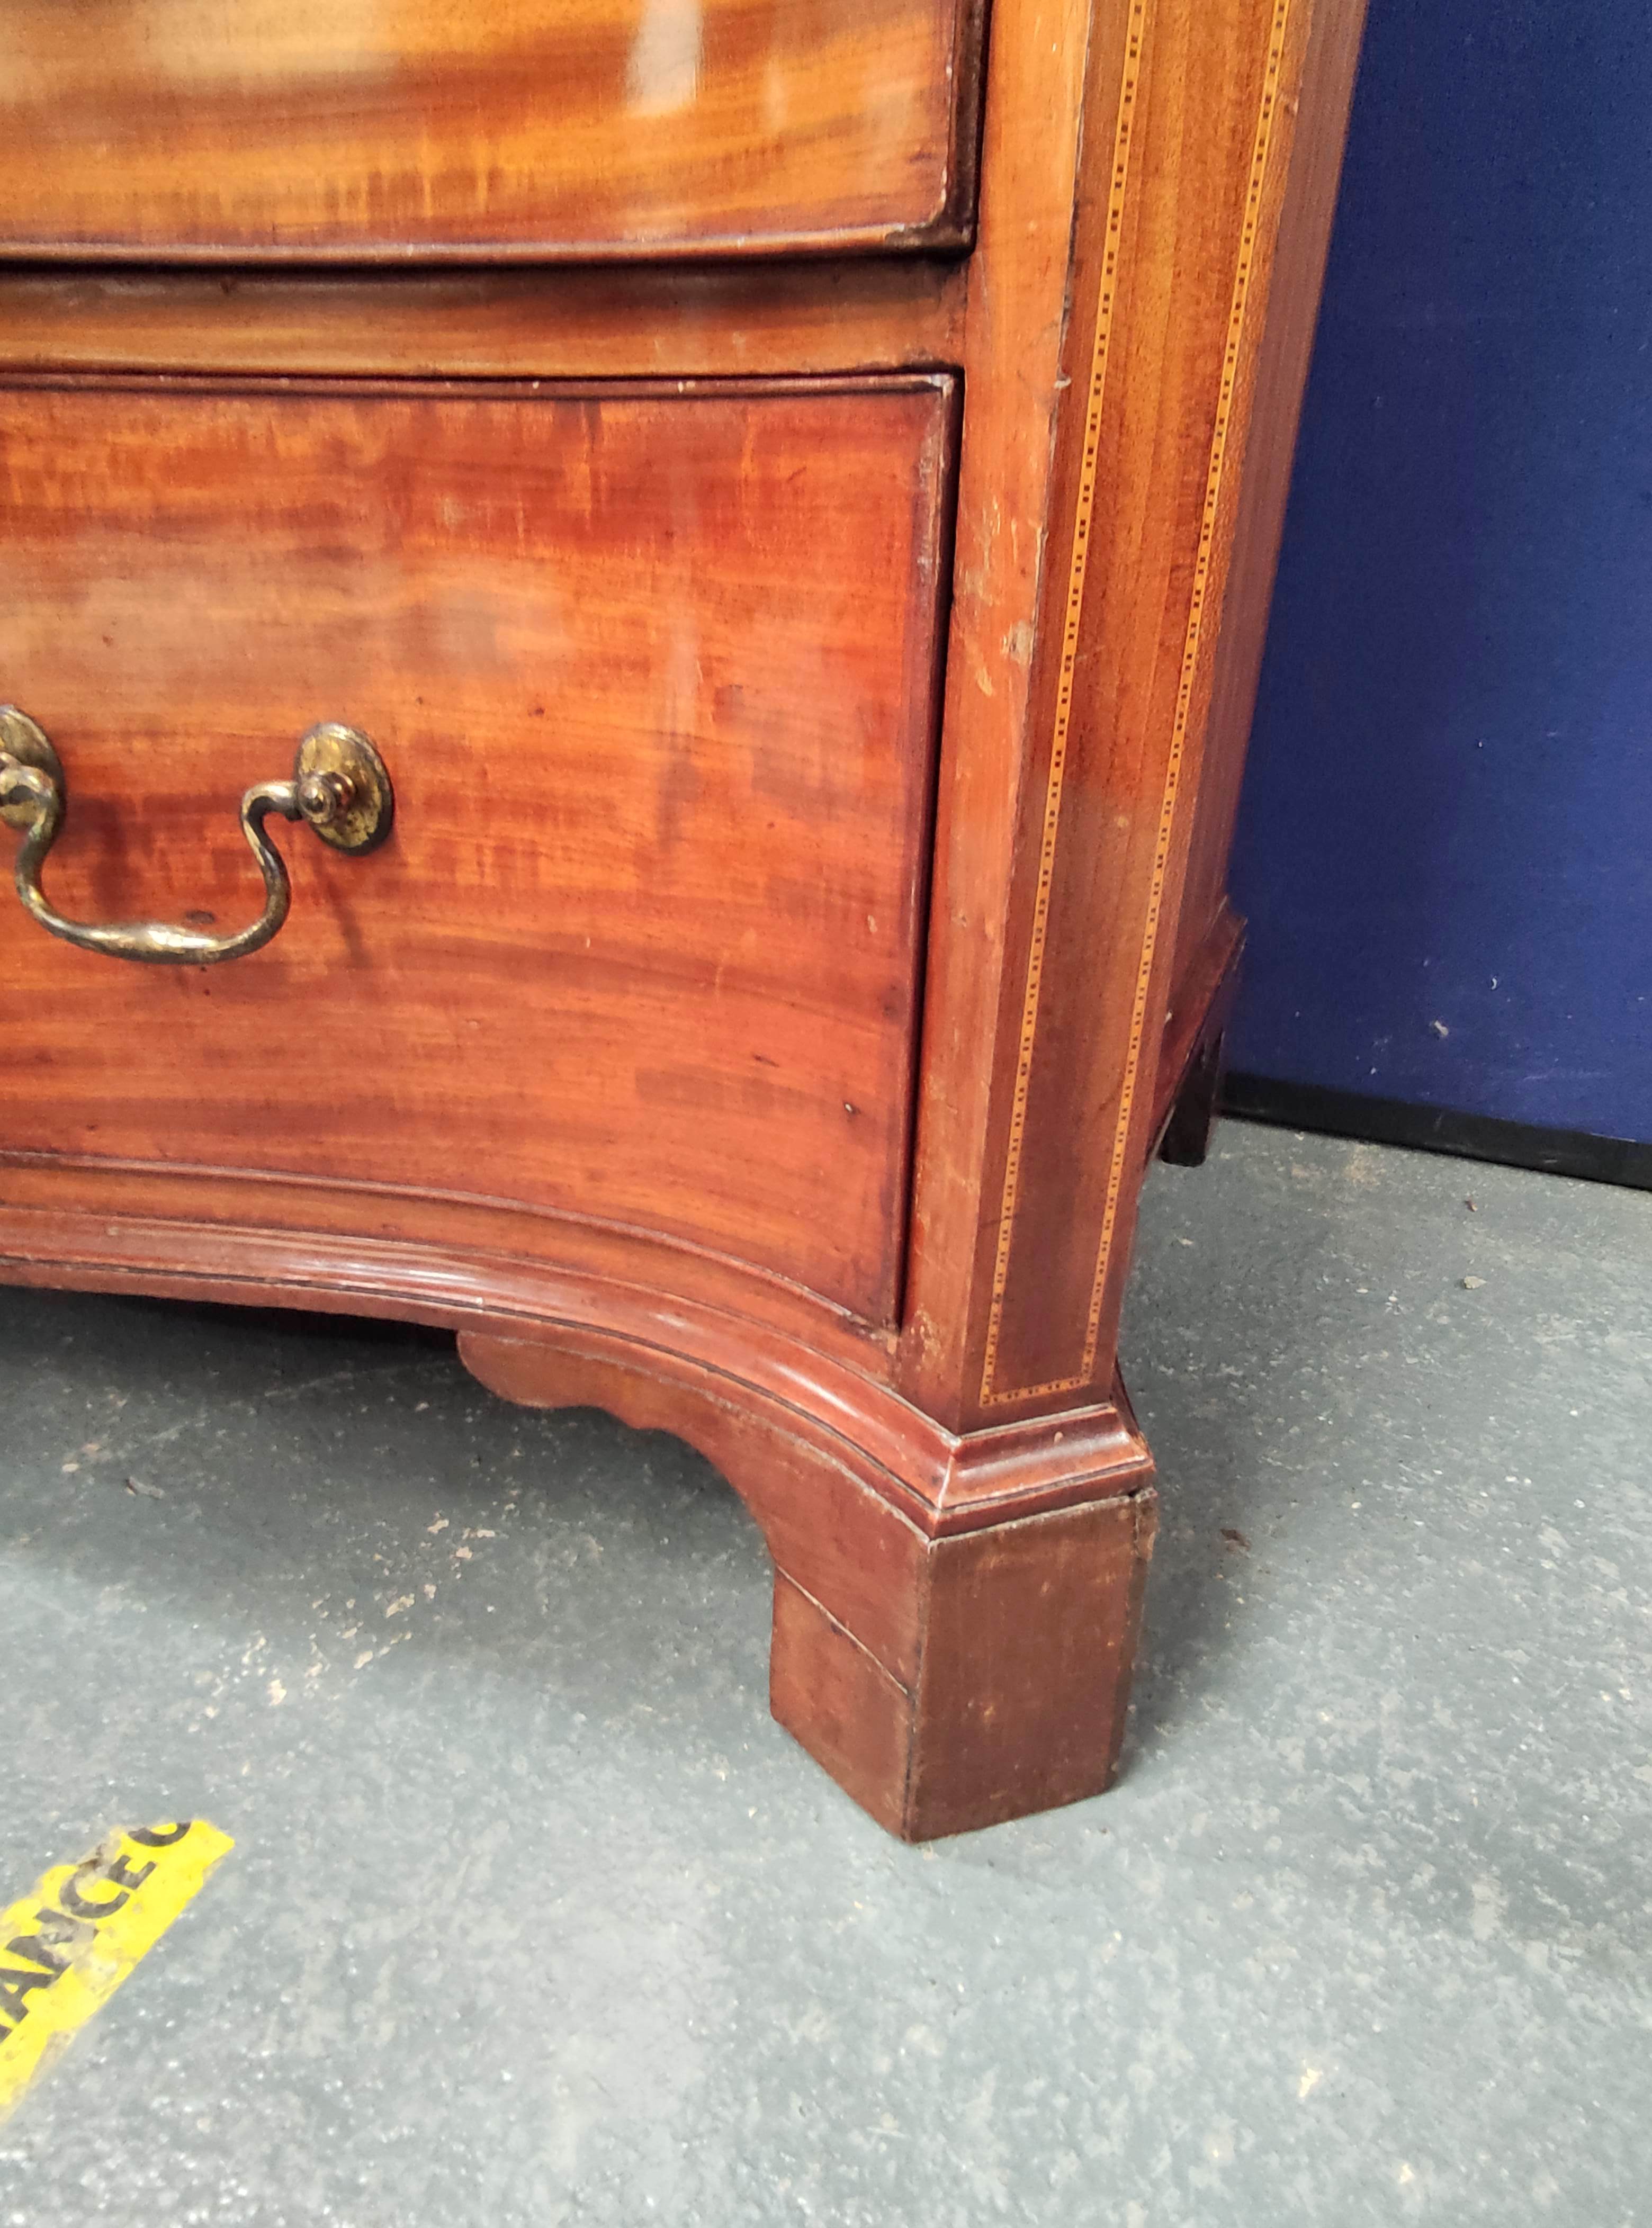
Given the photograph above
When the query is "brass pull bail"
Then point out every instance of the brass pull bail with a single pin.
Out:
(339, 787)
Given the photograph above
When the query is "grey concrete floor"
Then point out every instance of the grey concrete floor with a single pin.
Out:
(534, 1917)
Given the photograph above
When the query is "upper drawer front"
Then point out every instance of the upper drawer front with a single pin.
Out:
(192, 129)
(653, 675)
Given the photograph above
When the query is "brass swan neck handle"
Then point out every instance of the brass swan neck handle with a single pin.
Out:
(339, 786)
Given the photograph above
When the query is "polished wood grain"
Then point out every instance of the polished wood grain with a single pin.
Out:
(305, 129)
(896, 1329)
(644, 943)
(605, 321)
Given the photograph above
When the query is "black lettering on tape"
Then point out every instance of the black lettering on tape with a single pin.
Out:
(40, 1952)
(158, 1837)
(73, 1901)
(57, 1942)
(118, 1871)
(57, 1927)
(14, 1985)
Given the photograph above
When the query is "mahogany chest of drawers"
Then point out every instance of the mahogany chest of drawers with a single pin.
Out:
(737, 535)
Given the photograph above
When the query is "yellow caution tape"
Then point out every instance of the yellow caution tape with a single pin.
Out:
(65, 1948)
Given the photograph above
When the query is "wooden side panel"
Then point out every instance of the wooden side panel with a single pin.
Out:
(1018, 379)
(643, 947)
(1128, 650)
(309, 129)
(1190, 127)
(1287, 346)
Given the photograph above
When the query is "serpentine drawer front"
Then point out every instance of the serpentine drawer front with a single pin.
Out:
(665, 807)
(306, 128)
(643, 944)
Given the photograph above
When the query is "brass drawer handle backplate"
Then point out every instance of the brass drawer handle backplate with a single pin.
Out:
(339, 786)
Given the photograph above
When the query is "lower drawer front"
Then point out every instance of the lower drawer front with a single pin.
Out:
(654, 673)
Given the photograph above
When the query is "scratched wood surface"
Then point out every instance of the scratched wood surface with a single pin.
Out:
(645, 944)
(307, 128)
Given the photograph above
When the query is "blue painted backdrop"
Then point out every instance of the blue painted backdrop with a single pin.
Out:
(1448, 814)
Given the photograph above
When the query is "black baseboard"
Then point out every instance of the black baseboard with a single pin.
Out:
(1438, 1130)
